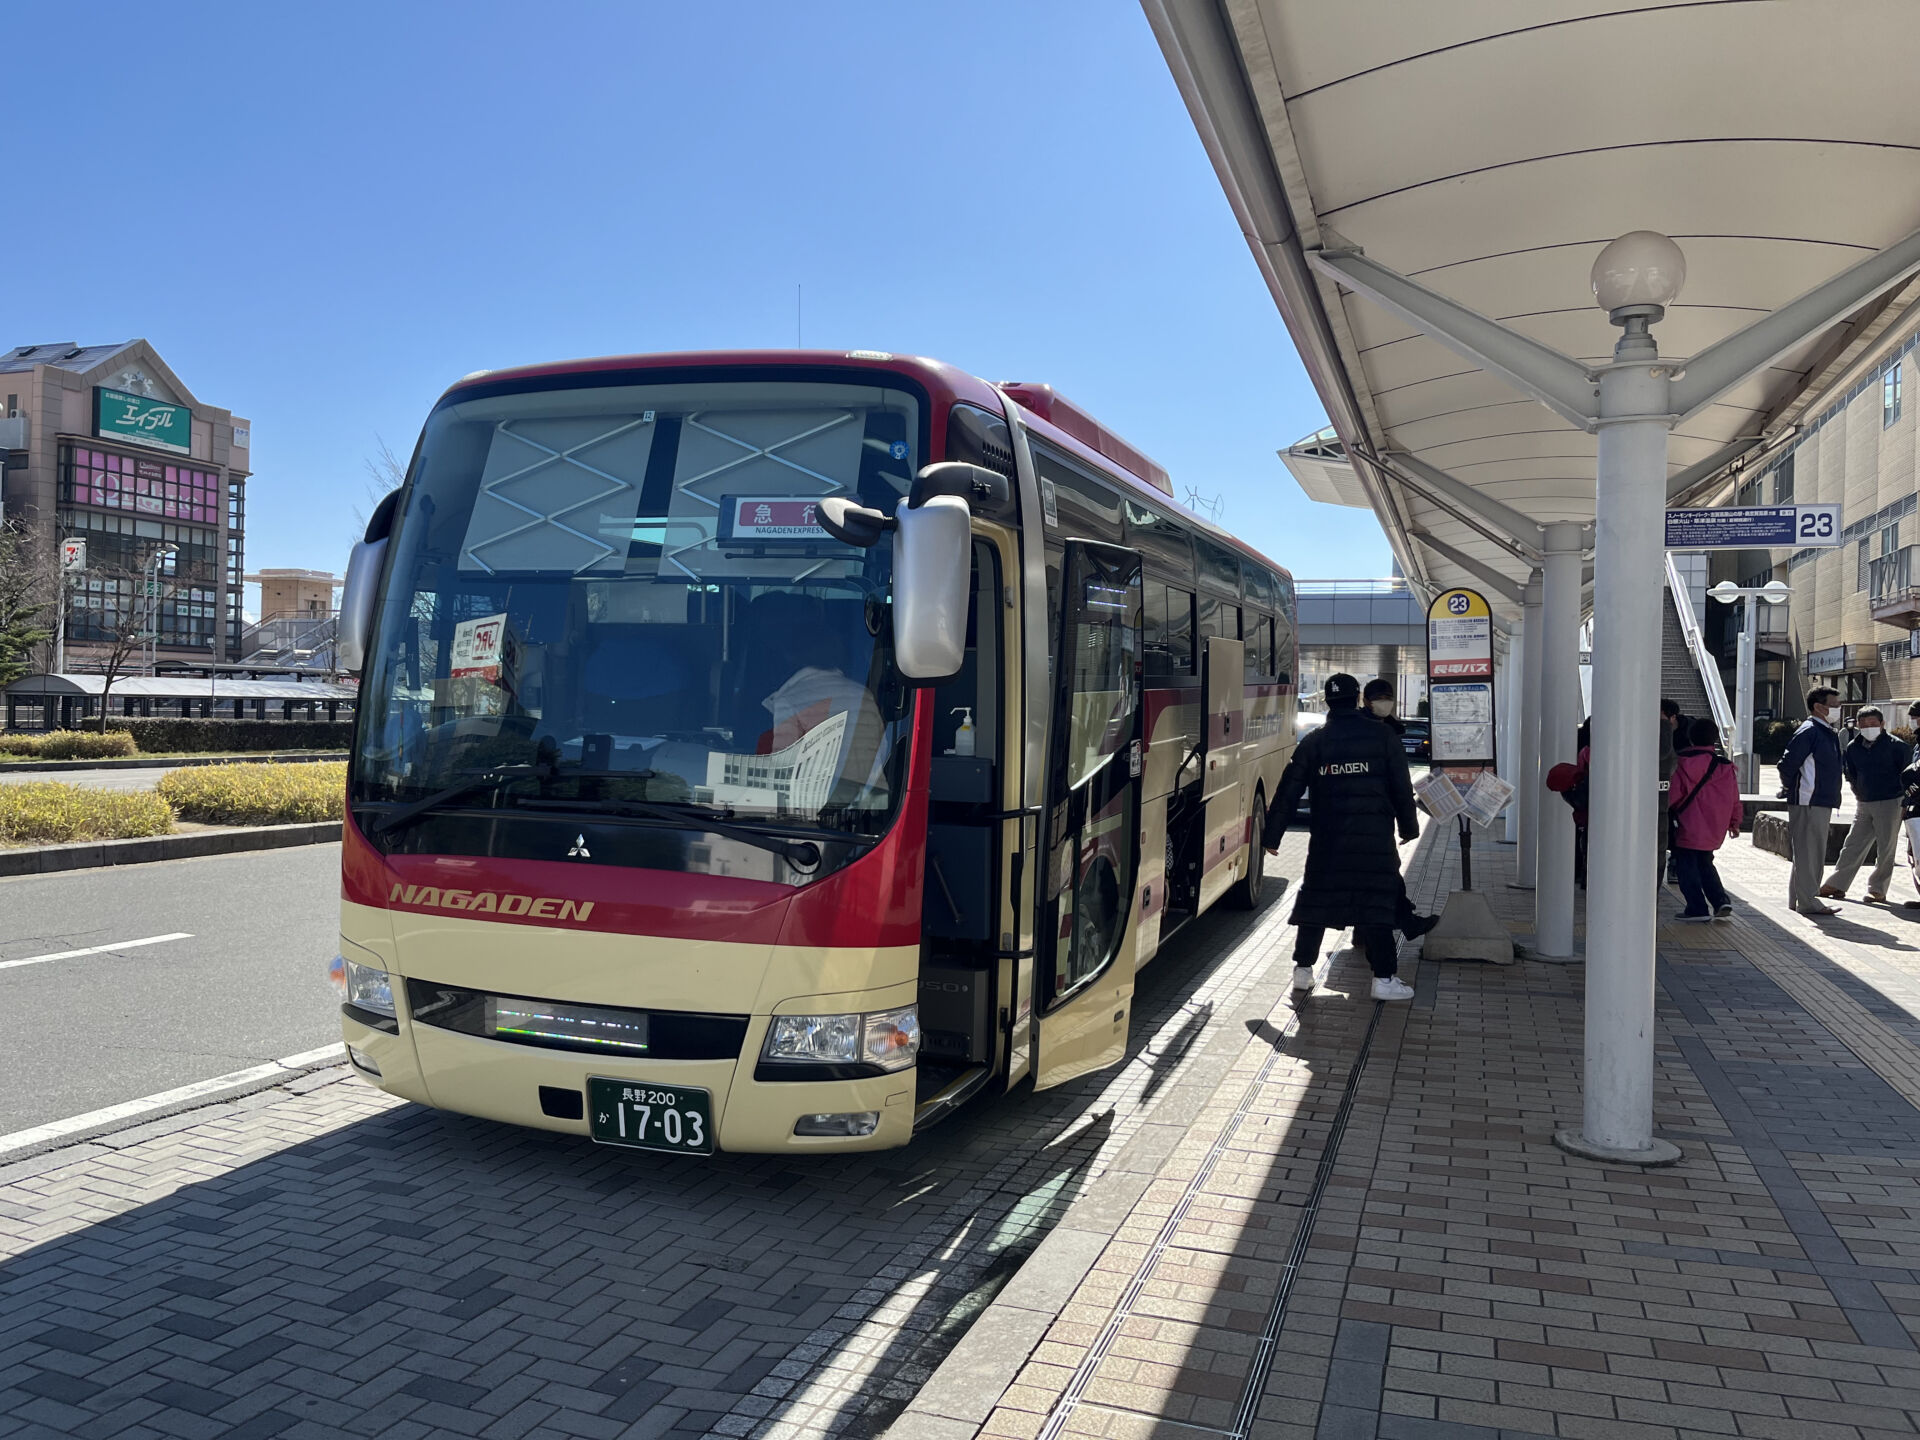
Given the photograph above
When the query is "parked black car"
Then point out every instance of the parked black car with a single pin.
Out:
(1418, 739)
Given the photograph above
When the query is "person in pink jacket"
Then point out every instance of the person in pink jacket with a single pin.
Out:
(1703, 808)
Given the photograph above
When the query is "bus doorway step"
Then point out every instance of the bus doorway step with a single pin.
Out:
(942, 1089)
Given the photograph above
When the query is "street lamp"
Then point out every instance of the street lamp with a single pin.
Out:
(152, 597)
(1774, 592)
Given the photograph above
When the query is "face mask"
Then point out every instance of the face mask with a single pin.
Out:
(1869, 733)
(1382, 708)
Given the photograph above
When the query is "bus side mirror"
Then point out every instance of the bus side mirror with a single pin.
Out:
(932, 566)
(353, 630)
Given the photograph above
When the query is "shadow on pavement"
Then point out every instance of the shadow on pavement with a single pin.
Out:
(454, 1274)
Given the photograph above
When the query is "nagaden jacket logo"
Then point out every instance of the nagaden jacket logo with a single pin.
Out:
(489, 902)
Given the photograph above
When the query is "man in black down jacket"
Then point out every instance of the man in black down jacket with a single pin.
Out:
(1354, 771)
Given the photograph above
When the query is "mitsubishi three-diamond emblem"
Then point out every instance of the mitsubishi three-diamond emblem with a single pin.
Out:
(580, 849)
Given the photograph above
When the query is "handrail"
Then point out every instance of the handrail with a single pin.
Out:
(1702, 661)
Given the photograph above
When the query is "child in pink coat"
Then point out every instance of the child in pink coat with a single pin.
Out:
(1703, 807)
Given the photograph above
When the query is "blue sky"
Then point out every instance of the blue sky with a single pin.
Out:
(323, 215)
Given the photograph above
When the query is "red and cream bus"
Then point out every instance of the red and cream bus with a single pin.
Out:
(771, 751)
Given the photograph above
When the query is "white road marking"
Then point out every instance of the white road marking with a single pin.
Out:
(93, 950)
(113, 1116)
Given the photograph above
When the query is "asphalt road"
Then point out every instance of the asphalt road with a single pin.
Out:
(248, 983)
(143, 779)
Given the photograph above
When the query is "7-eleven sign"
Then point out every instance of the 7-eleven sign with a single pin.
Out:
(73, 555)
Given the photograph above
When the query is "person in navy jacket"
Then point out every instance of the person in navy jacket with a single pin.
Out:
(1873, 763)
(1810, 784)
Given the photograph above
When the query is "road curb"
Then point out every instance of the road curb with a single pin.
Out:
(135, 762)
(92, 854)
(96, 1124)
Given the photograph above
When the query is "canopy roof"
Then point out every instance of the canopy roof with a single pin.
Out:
(1490, 148)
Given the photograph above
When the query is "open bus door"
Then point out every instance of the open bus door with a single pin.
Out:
(1091, 825)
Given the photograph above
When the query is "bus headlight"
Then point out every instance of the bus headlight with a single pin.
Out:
(369, 988)
(887, 1038)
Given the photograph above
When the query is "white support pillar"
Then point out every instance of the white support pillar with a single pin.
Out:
(1527, 734)
(1508, 747)
(1629, 503)
(1559, 718)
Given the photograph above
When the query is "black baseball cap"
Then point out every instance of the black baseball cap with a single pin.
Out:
(1342, 689)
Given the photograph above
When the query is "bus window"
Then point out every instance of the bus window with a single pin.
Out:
(1219, 568)
(1255, 627)
(1162, 542)
(1089, 508)
(1283, 633)
(1180, 631)
(1156, 659)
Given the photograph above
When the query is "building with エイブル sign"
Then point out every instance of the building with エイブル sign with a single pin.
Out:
(105, 445)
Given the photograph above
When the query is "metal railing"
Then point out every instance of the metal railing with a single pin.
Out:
(307, 639)
(1891, 575)
(1349, 587)
(1702, 659)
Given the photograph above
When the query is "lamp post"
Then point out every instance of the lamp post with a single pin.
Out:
(152, 583)
(1774, 592)
(1634, 279)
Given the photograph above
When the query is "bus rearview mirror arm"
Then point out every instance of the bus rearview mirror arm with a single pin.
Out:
(932, 561)
(353, 630)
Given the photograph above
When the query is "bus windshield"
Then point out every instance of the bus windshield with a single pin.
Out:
(618, 595)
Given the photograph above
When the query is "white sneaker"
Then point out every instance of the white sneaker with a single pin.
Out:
(1391, 987)
(1303, 979)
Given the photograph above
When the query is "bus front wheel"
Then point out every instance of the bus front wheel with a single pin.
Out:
(1246, 891)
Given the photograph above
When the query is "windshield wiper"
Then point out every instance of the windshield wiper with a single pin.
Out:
(687, 815)
(495, 779)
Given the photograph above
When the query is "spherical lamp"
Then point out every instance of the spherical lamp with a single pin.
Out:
(1641, 272)
(1726, 592)
(1775, 592)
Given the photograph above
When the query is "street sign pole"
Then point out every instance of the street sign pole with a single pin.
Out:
(1462, 725)
(1743, 681)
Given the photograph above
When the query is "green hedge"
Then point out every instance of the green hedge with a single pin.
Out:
(67, 745)
(159, 737)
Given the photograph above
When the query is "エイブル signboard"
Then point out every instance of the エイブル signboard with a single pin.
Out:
(771, 517)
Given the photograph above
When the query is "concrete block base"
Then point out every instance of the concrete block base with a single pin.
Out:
(1469, 930)
(1657, 1153)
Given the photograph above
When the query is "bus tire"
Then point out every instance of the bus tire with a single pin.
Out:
(1247, 892)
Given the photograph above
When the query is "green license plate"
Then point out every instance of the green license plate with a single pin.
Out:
(650, 1117)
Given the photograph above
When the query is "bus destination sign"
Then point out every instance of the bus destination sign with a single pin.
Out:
(1754, 527)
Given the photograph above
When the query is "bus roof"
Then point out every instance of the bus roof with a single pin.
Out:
(1043, 409)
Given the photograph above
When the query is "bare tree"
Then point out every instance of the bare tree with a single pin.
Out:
(122, 628)
(385, 472)
(25, 600)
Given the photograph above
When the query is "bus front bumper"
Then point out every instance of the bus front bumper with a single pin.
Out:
(498, 1081)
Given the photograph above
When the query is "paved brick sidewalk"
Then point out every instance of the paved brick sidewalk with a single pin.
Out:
(322, 1260)
(1442, 1272)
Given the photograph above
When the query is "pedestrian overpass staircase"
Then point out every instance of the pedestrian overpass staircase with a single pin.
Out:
(304, 642)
